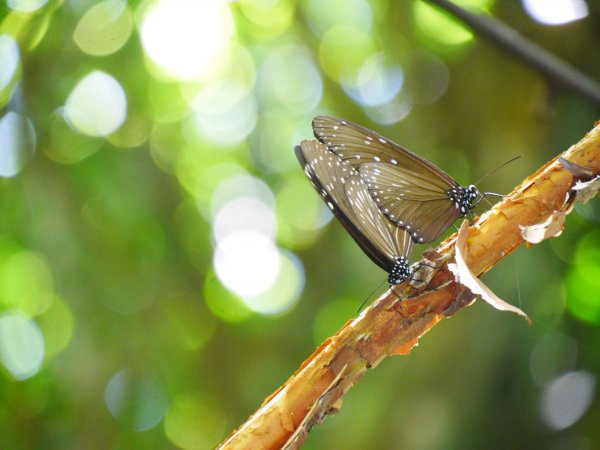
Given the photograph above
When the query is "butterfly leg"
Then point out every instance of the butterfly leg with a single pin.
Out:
(418, 280)
(419, 264)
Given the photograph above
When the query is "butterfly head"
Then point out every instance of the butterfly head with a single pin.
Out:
(463, 197)
(400, 271)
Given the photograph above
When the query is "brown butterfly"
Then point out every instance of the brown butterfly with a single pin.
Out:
(412, 192)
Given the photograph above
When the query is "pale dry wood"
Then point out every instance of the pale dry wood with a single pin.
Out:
(393, 326)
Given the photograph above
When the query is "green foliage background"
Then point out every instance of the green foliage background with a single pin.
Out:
(115, 331)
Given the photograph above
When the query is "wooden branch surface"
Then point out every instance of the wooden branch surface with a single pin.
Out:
(394, 323)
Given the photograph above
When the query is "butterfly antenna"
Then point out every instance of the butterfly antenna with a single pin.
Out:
(497, 169)
(487, 201)
(362, 305)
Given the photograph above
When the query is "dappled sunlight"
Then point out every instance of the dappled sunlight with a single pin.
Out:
(17, 143)
(289, 80)
(285, 290)
(225, 112)
(97, 105)
(186, 38)
(9, 60)
(249, 212)
(375, 84)
(567, 398)
(104, 28)
(21, 345)
(26, 6)
(439, 28)
(323, 16)
(165, 264)
(557, 12)
(247, 262)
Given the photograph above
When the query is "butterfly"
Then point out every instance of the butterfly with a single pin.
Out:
(347, 195)
(412, 192)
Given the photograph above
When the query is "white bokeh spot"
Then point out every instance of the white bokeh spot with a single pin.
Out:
(9, 60)
(17, 143)
(21, 345)
(97, 106)
(185, 37)
(247, 262)
(26, 6)
(566, 399)
(556, 12)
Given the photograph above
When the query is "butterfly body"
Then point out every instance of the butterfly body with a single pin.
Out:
(399, 271)
(463, 198)
(412, 192)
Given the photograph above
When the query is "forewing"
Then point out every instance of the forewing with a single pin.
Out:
(328, 175)
(410, 200)
(358, 146)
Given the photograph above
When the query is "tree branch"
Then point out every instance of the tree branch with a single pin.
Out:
(394, 323)
(549, 65)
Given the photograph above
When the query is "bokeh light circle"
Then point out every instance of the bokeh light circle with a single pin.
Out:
(439, 27)
(26, 283)
(240, 186)
(556, 12)
(285, 290)
(138, 400)
(269, 17)
(21, 345)
(343, 51)
(185, 38)
(225, 112)
(196, 422)
(247, 212)
(104, 28)
(289, 79)
(322, 16)
(583, 280)
(567, 398)
(97, 106)
(247, 262)
(376, 83)
(26, 6)
(9, 60)
(17, 143)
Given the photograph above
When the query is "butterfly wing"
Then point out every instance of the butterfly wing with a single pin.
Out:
(408, 202)
(347, 195)
(393, 240)
(359, 145)
(411, 191)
